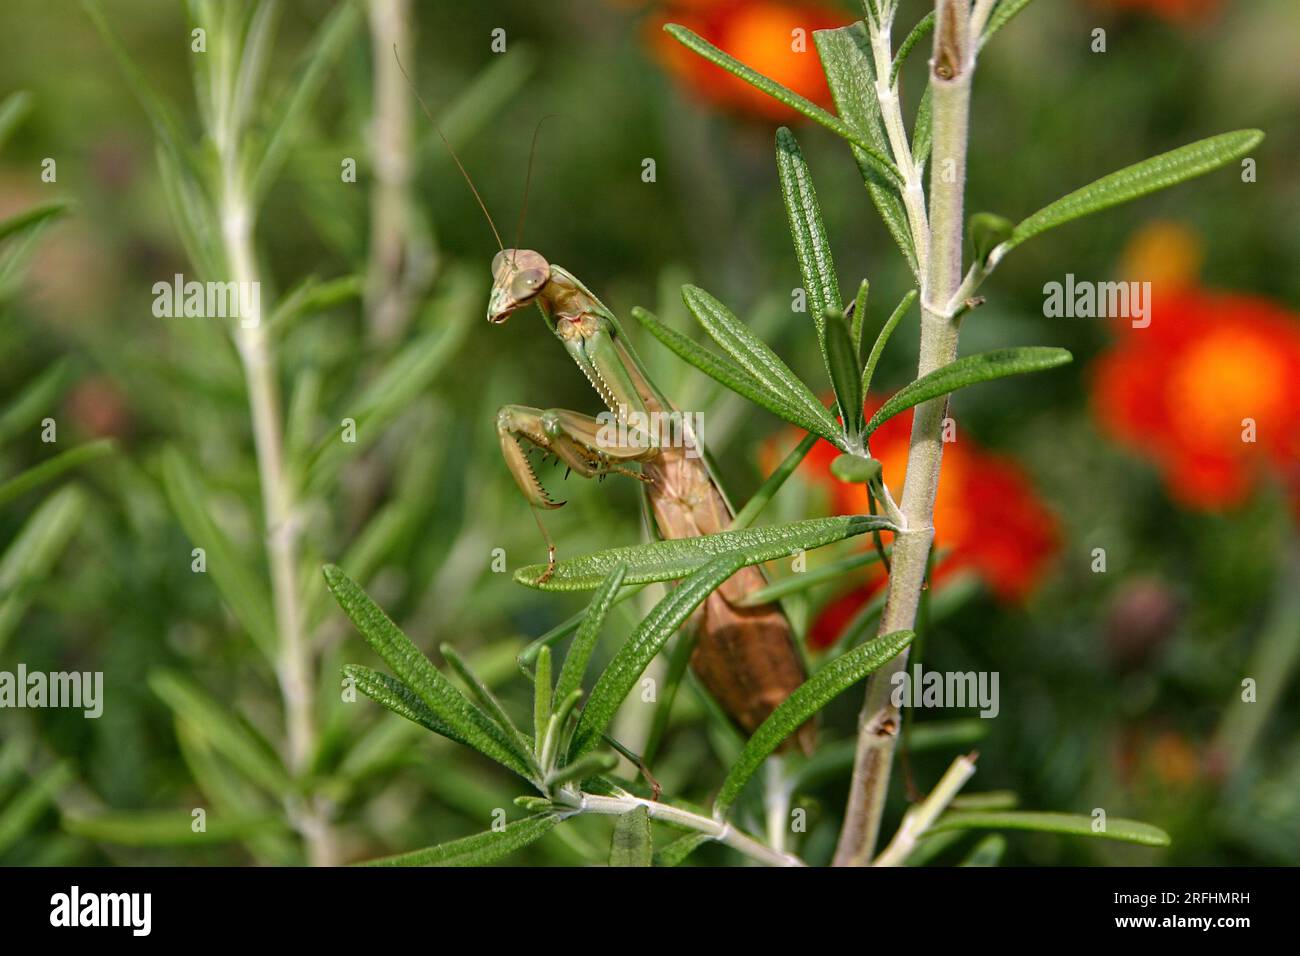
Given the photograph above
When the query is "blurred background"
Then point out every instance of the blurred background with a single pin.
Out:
(1120, 687)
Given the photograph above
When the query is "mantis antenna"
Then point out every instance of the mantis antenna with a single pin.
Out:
(528, 179)
(461, 166)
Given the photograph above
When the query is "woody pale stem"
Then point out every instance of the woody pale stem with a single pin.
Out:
(878, 723)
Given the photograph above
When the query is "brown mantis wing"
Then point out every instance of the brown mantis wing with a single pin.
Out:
(746, 657)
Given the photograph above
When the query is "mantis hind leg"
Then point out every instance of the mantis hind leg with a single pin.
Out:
(588, 446)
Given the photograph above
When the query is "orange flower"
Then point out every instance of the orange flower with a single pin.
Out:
(772, 37)
(987, 517)
(1181, 11)
(1210, 392)
(1164, 760)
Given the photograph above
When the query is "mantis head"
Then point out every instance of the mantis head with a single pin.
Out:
(518, 277)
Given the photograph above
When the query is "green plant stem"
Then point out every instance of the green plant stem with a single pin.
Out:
(1272, 664)
(721, 831)
(919, 819)
(399, 265)
(892, 113)
(878, 722)
(294, 665)
(776, 802)
(979, 17)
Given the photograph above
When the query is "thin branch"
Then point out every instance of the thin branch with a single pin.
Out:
(721, 831)
(878, 723)
(892, 113)
(401, 261)
(294, 664)
(920, 818)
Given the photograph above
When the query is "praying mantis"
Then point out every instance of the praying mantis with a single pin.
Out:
(745, 656)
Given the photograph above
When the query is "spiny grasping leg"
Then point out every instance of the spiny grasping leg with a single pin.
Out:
(588, 446)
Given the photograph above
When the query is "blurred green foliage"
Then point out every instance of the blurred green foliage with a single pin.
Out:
(416, 512)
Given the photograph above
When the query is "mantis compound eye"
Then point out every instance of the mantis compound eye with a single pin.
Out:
(527, 284)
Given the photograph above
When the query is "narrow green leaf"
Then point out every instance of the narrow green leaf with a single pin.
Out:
(479, 849)
(484, 696)
(312, 295)
(564, 707)
(790, 98)
(227, 732)
(1072, 824)
(1002, 15)
(181, 183)
(646, 641)
(833, 761)
(542, 689)
(947, 734)
(858, 627)
(850, 70)
(882, 339)
(846, 374)
(400, 699)
(191, 209)
(29, 557)
(985, 800)
(244, 592)
(675, 853)
(631, 844)
(167, 828)
(476, 105)
(1132, 182)
(923, 131)
(967, 371)
(51, 468)
(575, 661)
(810, 697)
(772, 484)
(932, 846)
(754, 356)
(722, 370)
(28, 218)
(562, 630)
(675, 558)
(811, 246)
(919, 33)
(161, 116)
(584, 768)
(24, 810)
(988, 852)
(406, 376)
(678, 664)
(35, 401)
(232, 795)
(330, 39)
(859, 315)
(798, 583)
(17, 106)
(448, 704)
(987, 232)
(855, 469)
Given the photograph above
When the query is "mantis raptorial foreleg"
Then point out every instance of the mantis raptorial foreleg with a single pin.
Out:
(587, 446)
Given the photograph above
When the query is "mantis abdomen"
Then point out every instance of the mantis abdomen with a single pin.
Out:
(746, 657)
